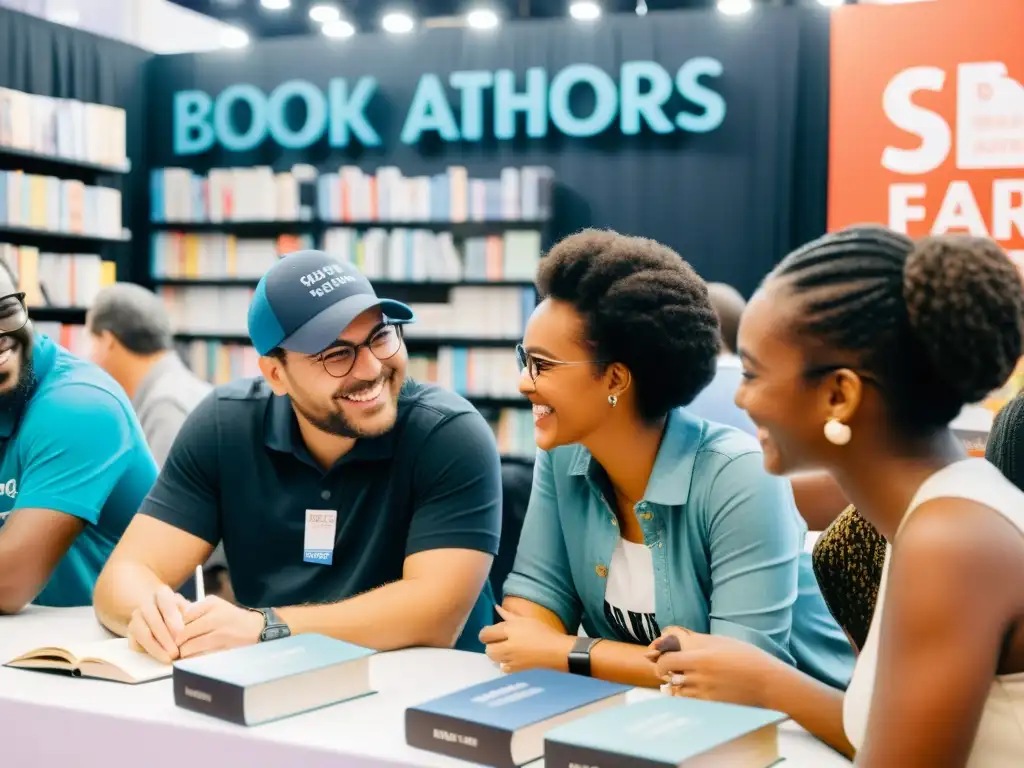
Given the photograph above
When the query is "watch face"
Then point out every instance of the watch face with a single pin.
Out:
(275, 633)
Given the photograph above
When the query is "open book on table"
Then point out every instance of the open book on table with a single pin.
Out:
(105, 659)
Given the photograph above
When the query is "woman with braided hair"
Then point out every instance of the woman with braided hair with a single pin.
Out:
(1005, 447)
(859, 349)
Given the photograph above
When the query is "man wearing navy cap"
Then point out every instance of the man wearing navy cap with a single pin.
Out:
(350, 500)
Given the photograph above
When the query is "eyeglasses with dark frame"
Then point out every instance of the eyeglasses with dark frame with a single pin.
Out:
(534, 366)
(383, 344)
(13, 312)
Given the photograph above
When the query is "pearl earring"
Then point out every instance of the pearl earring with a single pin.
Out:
(613, 400)
(837, 433)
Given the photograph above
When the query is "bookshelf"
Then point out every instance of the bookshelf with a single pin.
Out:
(30, 161)
(59, 213)
(461, 251)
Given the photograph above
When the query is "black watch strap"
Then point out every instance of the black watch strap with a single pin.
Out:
(273, 627)
(579, 656)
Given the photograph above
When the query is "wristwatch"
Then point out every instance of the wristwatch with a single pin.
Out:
(273, 627)
(579, 656)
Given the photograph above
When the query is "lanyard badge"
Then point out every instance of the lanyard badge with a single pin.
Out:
(318, 544)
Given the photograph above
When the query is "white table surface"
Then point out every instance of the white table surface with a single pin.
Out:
(53, 721)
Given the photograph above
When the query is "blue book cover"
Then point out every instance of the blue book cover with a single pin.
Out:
(265, 662)
(501, 722)
(239, 685)
(667, 731)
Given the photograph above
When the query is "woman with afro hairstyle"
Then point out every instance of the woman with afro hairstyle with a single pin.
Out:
(859, 350)
(643, 515)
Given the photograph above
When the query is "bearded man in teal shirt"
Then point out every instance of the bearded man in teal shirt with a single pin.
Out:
(74, 466)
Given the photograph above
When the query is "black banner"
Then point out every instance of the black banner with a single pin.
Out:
(704, 132)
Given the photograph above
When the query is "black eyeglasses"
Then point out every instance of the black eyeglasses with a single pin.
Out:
(534, 366)
(13, 314)
(382, 343)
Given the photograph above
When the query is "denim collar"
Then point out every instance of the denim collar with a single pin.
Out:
(669, 484)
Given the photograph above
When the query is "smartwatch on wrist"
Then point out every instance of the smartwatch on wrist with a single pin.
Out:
(273, 627)
(579, 656)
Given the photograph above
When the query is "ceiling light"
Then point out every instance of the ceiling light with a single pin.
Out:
(338, 28)
(735, 7)
(276, 5)
(397, 23)
(831, 3)
(641, 7)
(322, 13)
(233, 37)
(585, 10)
(482, 18)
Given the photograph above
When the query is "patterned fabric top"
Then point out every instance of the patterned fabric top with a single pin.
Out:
(848, 560)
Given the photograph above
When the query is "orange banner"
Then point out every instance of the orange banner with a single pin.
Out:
(927, 118)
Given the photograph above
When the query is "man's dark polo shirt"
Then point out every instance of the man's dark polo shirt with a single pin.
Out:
(239, 470)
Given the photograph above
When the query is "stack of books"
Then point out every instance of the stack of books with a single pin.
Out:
(475, 312)
(572, 721)
(470, 313)
(62, 128)
(183, 256)
(258, 193)
(51, 204)
(423, 255)
(57, 279)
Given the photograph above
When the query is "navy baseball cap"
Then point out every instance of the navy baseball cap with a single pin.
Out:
(307, 298)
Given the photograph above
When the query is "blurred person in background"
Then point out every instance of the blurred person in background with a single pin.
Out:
(717, 401)
(1005, 447)
(133, 340)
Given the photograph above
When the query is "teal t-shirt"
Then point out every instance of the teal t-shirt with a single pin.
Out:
(76, 448)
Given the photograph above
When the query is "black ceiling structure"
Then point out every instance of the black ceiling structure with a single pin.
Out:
(262, 22)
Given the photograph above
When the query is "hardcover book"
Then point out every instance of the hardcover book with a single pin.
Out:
(272, 680)
(104, 659)
(668, 731)
(502, 722)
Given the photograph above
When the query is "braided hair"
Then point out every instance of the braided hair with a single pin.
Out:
(936, 324)
(642, 306)
(1004, 440)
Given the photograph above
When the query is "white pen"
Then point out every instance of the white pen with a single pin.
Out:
(200, 588)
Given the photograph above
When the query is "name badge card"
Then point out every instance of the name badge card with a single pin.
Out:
(318, 546)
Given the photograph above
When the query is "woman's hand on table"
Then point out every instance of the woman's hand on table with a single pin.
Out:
(518, 643)
(713, 667)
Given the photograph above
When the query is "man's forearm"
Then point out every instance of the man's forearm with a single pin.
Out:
(18, 586)
(121, 588)
(403, 614)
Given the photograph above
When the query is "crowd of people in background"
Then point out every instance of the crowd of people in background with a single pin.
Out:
(687, 442)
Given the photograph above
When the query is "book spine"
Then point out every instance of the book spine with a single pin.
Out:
(209, 697)
(481, 744)
(560, 755)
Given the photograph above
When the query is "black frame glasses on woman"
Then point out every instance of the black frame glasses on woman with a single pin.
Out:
(535, 366)
(13, 312)
(340, 358)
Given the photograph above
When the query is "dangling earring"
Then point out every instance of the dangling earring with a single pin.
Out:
(837, 433)
(613, 400)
